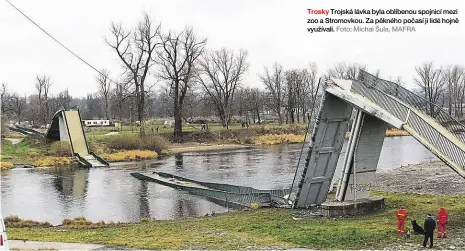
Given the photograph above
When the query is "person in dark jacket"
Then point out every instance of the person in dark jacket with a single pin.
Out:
(430, 225)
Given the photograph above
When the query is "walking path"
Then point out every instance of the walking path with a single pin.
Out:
(39, 245)
(111, 133)
(14, 141)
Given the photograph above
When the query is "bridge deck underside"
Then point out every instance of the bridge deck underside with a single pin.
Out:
(326, 145)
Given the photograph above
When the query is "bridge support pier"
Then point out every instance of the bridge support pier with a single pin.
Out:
(361, 206)
(362, 156)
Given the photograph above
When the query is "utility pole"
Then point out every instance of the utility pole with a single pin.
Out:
(130, 118)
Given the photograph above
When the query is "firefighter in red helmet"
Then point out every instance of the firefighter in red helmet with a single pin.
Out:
(443, 218)
(401, 217)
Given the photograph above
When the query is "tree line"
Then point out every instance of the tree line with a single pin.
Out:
(170, 73)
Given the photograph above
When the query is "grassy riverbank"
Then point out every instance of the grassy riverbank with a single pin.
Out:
(262, 228)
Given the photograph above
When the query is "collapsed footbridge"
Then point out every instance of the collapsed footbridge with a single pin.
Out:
(67, 125)
(377, 104)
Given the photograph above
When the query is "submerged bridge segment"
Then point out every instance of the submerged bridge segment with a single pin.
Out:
(377, 103)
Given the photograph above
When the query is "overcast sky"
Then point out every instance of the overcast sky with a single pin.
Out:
(270, 31)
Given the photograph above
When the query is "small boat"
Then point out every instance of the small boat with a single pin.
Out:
(239, 196)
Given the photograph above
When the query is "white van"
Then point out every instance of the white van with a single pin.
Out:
(3, 239)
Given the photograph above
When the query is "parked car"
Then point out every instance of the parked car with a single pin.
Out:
(3, 239)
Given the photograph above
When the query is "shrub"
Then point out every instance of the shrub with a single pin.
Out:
(61, 149)
(15, 221)
(123, 141)
(34, 153)
(53, 161)
(131, 142)
(6, 165)
(274, 139)
(6, 143)
(97, 148)
(154, 143)
(254, 206)
(76, 221)
(129, 155)
(82, 222)
(144, 220)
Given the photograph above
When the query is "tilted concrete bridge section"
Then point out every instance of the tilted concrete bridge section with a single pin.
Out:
(378, 103)
(67, 126)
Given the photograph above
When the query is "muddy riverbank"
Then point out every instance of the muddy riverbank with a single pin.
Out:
(427, 178)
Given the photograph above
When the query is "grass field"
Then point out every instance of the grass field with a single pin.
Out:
(262, 228)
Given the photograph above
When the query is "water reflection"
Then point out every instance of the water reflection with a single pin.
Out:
(178, 160)
(144, 209)
(111, 194)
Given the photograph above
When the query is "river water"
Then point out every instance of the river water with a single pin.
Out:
(111, 194)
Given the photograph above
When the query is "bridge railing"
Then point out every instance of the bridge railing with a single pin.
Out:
(376, 90)
(406, 96)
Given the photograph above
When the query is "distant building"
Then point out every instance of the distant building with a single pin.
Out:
(96, 122)
(169, 123)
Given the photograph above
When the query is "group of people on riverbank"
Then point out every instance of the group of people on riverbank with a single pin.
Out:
(429, 225)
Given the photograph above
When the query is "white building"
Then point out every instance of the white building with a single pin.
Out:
(96, 122)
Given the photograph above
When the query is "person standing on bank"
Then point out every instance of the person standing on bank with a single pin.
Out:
(430, 225)
(443, 218)
(401, 217)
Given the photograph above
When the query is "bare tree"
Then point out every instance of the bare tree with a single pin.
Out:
(309, 97)
(431, 83)
(63, 99)
(93, 108)
(177, 57)
(5, 97)
(220, 74)
(453, 77)
(301, 92)
(248, 102)
(43, 87)
(104, 85)
(274, 82)
(17, 105)
(344, 70)
(256, 104)
(293, 84)
(136, 49)
(120, 99)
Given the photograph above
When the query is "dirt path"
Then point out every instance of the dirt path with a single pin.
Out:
(111, 133)
(427, 178)
(14, 141)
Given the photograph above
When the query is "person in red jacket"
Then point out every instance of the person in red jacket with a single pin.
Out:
(443, 218)
(401, 218)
